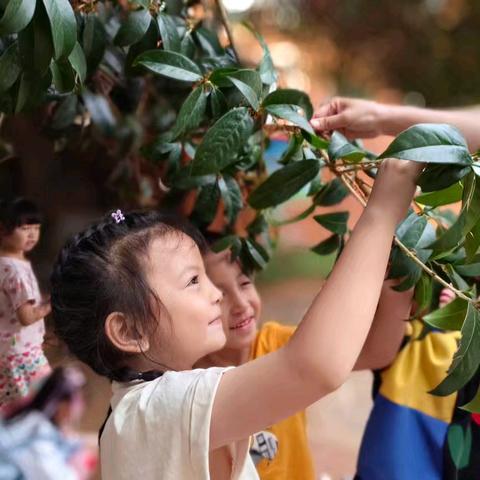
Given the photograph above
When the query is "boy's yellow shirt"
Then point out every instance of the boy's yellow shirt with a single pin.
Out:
(293, 460)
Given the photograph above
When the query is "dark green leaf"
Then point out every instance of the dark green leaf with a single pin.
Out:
(93, 41)
(472, 270)
(63, 76)
(430, 143)
(335, 222)
(288, 96)
(17, 16)
(258, 226)
(249, 83)
(169, 64)
(208, 41)
(134, 28)
(474, 405)
(472, 241)
(256, 255)
(456, 280)
(340, 147)
(100, 111)
(232, 197)
(294, 150)
(63, 26)
(218, 103)
(283, 184)
(222, 142)
(450, 317)
(424, 292)
(42, 49)
(438, 177)
(78, 62)
(187, 45)
(226, 242)
(10, 67)
(297, 218)
(192, 112)
(206, 204)
(328, 246)
(65, 113)
(331, 194)
(466, 359)
(168, 32)
(459, 445)
(446, 196)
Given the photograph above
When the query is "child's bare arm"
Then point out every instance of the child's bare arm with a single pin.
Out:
(326, 345)
(357, 118)
(388, 328)
(28, 313)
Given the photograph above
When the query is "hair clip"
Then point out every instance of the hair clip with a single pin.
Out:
(118, 216)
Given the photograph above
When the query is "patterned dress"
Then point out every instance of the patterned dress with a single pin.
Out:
(22, 361)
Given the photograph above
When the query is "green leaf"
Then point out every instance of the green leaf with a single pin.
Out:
(446, 196)
(328, 246)
(218, 103)
(450, 317)
(41, 49)
(232, 197)
(266, 67)
(17, 16)
(249, 83)
(438, 177)
(474, 405)
(335, 222)
(430, 143)
(169, 64)
(255, 254)
(63, 76)
(331, 194)
(78, 62)
(288, 96)
(192, 112)
(459, 445)
(466, 359)
(317, 142)
(168, 32)
(134, 28)
(10, 67)
(65, 113)
(340, 147)
(472, 241)
(93, 41)
(226, 242)
(206, 204)
(424, 292)
(283, 184)
(293, 152)
(288, 112)
(222, 142)
(472, 270)
(100, 111)
(63, 26)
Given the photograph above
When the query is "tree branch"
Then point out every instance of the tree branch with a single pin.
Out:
(224, 18)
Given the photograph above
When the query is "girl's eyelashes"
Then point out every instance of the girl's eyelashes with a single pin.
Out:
(244, 282)
(193, 281)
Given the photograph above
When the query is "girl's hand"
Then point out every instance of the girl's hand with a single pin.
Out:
(352, 117)
(446, 296)
(394, 187)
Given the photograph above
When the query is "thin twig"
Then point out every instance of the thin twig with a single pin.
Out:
(224, 18)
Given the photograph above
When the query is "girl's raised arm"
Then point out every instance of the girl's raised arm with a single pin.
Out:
(325, 347)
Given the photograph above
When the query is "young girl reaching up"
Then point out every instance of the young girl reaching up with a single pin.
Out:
(22, 309)
(131, 298)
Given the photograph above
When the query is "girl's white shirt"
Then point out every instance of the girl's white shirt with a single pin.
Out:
(160, 430)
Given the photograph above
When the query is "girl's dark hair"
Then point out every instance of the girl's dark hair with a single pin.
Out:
(17, 212)
(102, 270)
(62, 384)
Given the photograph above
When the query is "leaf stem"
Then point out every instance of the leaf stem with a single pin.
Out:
(224, 18)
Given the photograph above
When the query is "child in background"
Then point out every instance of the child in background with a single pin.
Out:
(410, 433)
(22, 309)
(285, 449)
(37, 440)
(131, 298)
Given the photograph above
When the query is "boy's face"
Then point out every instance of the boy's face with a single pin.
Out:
(241, 304)
(20, 239)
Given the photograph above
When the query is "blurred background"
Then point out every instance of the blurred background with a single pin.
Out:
(419, 52)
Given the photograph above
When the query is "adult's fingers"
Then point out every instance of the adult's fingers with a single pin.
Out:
(333, 122)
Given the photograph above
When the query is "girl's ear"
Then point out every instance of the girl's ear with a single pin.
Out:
(123, 335)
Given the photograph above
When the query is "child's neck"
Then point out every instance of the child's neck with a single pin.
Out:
(225, 358)
(17, 254)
